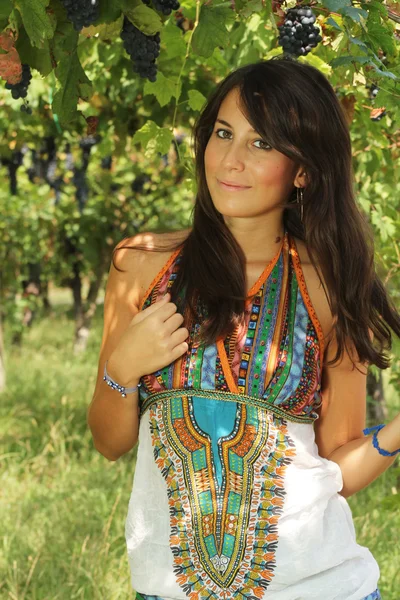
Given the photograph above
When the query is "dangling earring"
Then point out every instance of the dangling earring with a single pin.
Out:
(300, 202)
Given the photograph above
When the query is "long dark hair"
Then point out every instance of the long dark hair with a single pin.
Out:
(301, 117)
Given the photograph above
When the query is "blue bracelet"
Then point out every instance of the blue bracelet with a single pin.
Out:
(116, 386)
(377, 429)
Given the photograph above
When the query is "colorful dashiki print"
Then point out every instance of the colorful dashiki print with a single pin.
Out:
(230, 498)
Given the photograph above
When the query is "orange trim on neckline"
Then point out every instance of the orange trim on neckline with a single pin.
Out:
(159, 275)
(264, 275)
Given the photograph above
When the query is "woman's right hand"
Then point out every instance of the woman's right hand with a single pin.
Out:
(153, 340)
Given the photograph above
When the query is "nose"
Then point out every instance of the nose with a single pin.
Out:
(233, 157)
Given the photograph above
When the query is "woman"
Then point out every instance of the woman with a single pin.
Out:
(249, 413)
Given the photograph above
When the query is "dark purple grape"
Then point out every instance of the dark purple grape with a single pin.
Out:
(81, 13)
(142, 49)
(20, 89)
(297, 34)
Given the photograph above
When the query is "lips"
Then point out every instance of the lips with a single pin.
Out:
(233, 186)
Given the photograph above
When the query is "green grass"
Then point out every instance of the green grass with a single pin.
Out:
(63, 505)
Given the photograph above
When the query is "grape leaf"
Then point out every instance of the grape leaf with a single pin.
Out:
(377, 6)
(196, 99)
(347, 60)
(144, 18)
(211, 31)
(252, 6)
(37, 22)
(153, 139)
(355, 13)
(331, 21)
(163, 89)
(5, 9)
(74, 82)
(106, 31)
(385, 73)
(337, 5)
(380, 37)
(172, 39)
(359, 43)
(108, 12)
(37, 58)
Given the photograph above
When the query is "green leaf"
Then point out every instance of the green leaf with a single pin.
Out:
(37, 58)
(240, 5)
(252, 6)
(37, 22)
(163, 89)
(65, 40)
(317, 62)
(348, 60)
(359, 43)
(337, 5)
(126, 5)
(385, 73)
(355, 13)
(211, 31)
(74, 85)
(109, 12)
(377, 6)
(331, 21)
(145, 18)
(153, 139)
(172, 40)
(5, 9)
(105, 31)
(196, 99)
(380, 37)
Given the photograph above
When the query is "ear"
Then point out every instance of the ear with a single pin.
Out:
(301, 179)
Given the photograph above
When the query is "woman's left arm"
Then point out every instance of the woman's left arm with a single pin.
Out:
(339, 429)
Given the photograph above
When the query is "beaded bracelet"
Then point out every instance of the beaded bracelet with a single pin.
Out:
(377, 428)
(116, 386)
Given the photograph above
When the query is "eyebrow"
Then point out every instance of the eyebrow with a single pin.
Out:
(226, 123)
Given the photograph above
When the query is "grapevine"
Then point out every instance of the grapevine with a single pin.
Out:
(297, 34)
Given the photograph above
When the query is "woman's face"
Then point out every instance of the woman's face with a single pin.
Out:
(236, 154)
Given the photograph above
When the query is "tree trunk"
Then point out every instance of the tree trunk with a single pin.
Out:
(81, 331)
(45, 298)
(31, 286)
(2, 363)
(377, 409)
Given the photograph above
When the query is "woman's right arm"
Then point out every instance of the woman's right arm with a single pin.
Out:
(134, 343)
(112, 419)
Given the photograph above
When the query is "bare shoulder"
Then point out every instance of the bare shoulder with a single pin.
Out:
(142, 266)
(315, 289)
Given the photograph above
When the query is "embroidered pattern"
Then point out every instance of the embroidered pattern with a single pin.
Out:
(223, 529)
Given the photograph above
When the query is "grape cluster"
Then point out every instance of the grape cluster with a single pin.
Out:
(164, 6)
(20, 90)
(297, 34)
(81, 13)
(143, 50)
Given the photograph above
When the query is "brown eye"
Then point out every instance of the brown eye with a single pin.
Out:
(265, 143)
(218, 136)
